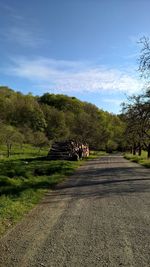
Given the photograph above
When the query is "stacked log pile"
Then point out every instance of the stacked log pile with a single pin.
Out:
(67, 150)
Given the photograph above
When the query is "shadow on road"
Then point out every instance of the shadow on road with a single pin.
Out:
(102, 182)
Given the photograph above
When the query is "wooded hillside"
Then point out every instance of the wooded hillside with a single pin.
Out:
(41, 120)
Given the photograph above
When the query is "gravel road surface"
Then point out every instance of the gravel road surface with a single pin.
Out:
(99, 217)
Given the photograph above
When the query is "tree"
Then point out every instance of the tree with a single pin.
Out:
(58, 117)
(6, 104)
(27, 112)
(115, 133)
(144, 68)
(62, 102)
(9, 136)
(137, 109)
(137, 117)
(144, 59)
(56, 125)
(40, 140)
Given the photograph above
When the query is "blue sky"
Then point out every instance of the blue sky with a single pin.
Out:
(82, 48)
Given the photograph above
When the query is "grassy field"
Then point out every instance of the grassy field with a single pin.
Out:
(24, 179)
(26, 151)
(139, 159)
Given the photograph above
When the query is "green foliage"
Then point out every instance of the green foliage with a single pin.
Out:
(62, 102)
(27, 112)
(115, 131)
(137, 118)
(42, 120)
(9, 136)
(40, 140)
(56, 124)
(136, 112)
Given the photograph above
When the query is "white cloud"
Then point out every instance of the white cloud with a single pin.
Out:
(72, 76)
(19, 30)
(112, 101)
(11, 11)
(23, 36)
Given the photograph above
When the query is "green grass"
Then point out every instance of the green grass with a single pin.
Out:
(24, 179)
(96, 154)
(139, 159)
(23, 182)
(25, 151)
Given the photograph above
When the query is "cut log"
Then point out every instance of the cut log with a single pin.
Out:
(68, 150)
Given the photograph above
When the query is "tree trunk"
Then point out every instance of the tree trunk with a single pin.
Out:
(8, 150)
(148, 151)
(134, 149)
(140, 150)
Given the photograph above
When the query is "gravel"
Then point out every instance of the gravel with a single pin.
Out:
(99, 217)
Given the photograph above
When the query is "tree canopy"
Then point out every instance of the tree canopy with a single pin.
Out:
(56, 117)
(137, 109)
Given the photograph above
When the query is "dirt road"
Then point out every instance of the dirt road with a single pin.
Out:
(100, 217)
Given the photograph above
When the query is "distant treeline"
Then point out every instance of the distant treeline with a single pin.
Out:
(41, 120)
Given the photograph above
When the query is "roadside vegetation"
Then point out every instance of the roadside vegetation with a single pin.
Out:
(139, 159)
(96, 154)
(24, 181)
